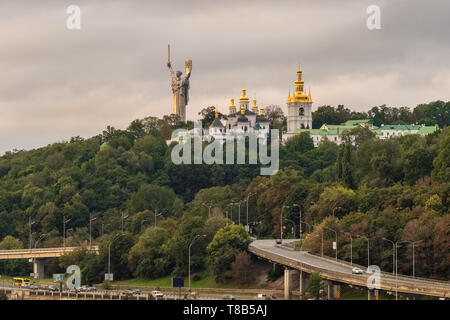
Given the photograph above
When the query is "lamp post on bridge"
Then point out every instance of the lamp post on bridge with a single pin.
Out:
(30, 223)
(248, 197)
(335, 232)
(413, 259)
(190, 245)
(109, 250)
(293, 230)
(40, 238)
(209, 206)
(123, 220)
(90, 229)
(64, 230)
(368, 249)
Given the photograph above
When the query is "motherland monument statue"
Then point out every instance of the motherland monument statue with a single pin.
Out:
(180, 87)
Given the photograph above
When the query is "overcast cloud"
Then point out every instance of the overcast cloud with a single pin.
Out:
(56, 83)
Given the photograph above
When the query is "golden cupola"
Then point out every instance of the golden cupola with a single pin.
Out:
(244, 97)
(232, 107)
(217, 113)
(299, 95)
(254, 107)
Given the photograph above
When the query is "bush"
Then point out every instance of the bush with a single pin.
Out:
(275, 272)
(106, 285)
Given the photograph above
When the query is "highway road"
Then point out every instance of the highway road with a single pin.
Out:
(42, 294)
(341, 271)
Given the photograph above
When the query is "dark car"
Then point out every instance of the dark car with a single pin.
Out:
(278, 241)
(53, 287)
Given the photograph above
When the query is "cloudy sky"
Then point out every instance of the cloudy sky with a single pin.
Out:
(56, 83)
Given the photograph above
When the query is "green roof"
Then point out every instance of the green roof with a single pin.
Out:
(355, 122)
(428, 129)
(338, 130)
(404, 127)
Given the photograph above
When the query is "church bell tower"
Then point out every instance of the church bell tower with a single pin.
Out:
(299, 106)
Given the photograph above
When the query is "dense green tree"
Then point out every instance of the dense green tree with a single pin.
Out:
(223, 248)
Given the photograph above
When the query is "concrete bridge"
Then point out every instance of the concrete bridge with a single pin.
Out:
(337, 272)
(37, 256)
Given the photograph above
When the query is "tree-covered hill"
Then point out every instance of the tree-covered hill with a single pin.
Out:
(397, 189)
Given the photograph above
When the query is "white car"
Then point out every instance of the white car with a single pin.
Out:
(157, 294)
(357, 270)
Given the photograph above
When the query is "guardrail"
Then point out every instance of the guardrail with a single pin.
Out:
(387, 282)
(40, 252)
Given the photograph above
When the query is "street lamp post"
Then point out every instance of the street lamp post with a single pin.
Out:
(248, 197)
(64, 230)
(351, 248)
(300, 222)
(90, 229)
(190, 245)
(413, 243)
(40, 238)
(393, 254)
(293, 230)
(368, 249)
(123, 220)
(30, 224)
(209, 208)
(157, 215)
(239, 217)
(231, 211)
(109, 251)
(335, 232)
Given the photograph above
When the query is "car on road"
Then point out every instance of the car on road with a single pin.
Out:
(229, 297)
(43, 287)
(25, 285)
(265, 296)
(278, 241)
(86, 288)
(127, 292)
(357, 270)
(53, 287)
(157, 294)
(137, 292)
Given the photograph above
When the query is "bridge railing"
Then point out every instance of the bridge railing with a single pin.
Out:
(388, 282)
(385, 273)
(37, 250)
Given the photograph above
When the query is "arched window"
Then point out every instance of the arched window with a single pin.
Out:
(301, 112)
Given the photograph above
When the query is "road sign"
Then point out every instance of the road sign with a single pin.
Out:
(177, 282)
(334, 245)
(58, 277)
(109, 276)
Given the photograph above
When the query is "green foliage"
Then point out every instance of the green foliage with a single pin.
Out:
(441, 163)
(223, 248)
(275, 272)
(316, 287)
(148, 256)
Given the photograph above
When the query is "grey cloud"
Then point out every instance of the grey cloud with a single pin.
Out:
(56, 83)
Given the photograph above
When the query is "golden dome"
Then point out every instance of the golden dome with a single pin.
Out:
(232, 106)
(255, 107)
(244, 97)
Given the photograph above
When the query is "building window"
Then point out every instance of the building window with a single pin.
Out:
(301, 112)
